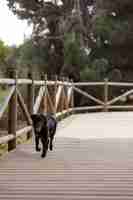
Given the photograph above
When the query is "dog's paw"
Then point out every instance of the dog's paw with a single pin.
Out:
(38, 149)
(43, 155)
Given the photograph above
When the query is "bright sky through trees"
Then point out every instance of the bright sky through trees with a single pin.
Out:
(12, 30)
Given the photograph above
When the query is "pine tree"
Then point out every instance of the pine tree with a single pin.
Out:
(51, 21)
(112, 29)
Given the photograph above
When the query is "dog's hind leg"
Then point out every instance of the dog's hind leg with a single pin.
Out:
(52, 133)
(51, 143)
(37, 143)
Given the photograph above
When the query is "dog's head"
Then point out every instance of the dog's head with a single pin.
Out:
(39, 121)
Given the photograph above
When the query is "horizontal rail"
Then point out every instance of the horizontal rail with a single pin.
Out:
(23, 130)
(120, 84)
(88, 84)
(102, 83)
(5, 139)
(24, 81)
(7, 81)
(64, 112)
(88, 108)
(120, 107)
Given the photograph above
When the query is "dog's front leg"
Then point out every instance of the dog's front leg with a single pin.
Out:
(45, 147)
(37, 143)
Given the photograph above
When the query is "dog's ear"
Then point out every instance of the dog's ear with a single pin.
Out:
(33, 117)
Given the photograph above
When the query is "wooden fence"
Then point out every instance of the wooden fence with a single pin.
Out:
(105, 104)
(53, 96)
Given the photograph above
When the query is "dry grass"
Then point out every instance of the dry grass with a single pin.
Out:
(20, 140)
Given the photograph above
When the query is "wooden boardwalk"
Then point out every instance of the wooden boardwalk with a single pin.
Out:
(92, 160)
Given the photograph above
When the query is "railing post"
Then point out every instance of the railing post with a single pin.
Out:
(55, 92)
(106, 95)
(62, 95)
(72, 99)
(30, 99)
(64, 103)
(12, 113)
(66, 96)
(45, 95)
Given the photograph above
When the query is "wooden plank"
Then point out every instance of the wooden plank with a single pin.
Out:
(6, 102)
(65, 94)
(120, 107)
(38, 100)
(88, 84)
(24, 81)
(50, 101)
(69, 94)
(30, 94)
(12, 114)
(7, 81)
(24, 107)
(120, 97)
(41, 83)
(124, 84)
(60, 114)
(38, 82)
(82, 166)
(88, 96)
(23, 131)
(5, 139)
(87, 108)
(106, 91)
(58, 96)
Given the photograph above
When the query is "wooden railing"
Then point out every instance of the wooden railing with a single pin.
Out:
(53, 96)
(107, 102)
(56, 97)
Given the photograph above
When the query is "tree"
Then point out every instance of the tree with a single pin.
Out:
(51, 20)
(4, 52)
(32, 58)
(112, 30)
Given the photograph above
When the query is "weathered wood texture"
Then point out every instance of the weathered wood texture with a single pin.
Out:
(92, 160)
(45, 101)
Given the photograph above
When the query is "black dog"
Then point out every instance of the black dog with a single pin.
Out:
(44, 129)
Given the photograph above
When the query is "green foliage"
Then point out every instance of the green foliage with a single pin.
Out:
(106, 26)
(4, 52)
(31, 57)
(3, 149)
(96, 71)
(112, 29)
(30, 54)
(3, 94)
(73, 54)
